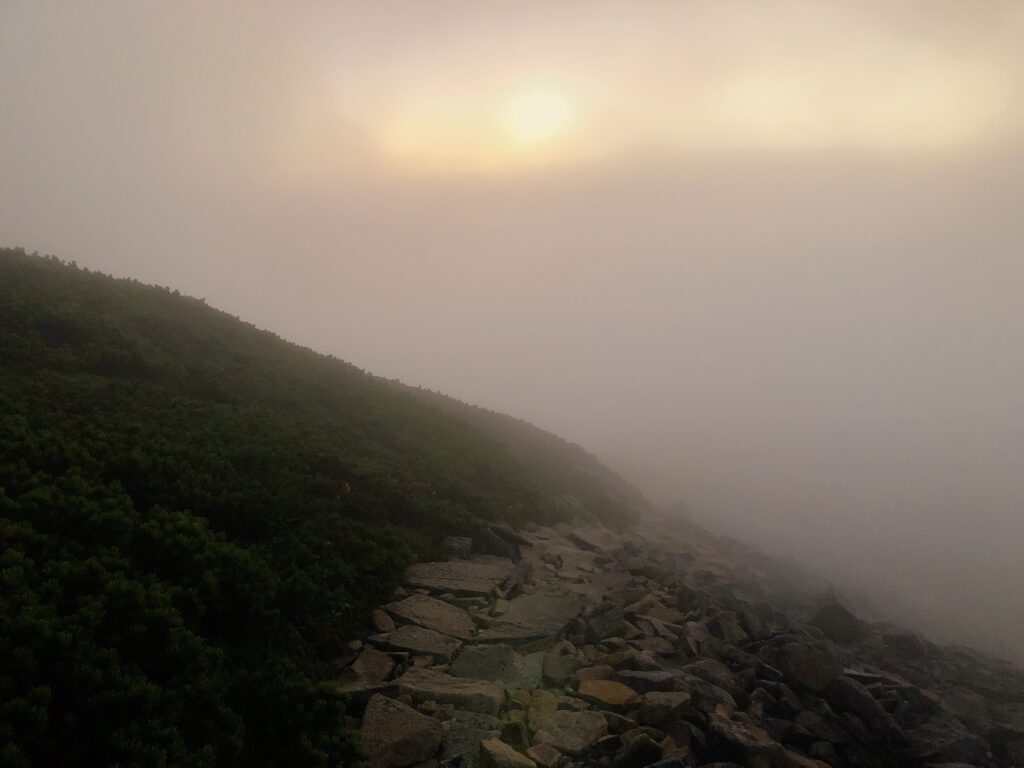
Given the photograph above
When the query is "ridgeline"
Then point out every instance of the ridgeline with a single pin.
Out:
(197, 515)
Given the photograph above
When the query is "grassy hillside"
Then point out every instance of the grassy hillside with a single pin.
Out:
(195, 514)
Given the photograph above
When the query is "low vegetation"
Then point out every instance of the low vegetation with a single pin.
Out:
(196, 514)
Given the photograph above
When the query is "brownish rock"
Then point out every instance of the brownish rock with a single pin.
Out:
(544, 755)
(810, 665)
(608, 693)
(596, 672)
(543, 705)
(495, 753)
(381, 621)
(373, 666)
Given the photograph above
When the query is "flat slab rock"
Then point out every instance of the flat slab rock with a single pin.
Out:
(546, 608)
(535, 616)
(589, 538)
(572, 732)
(498, 663)
(395, 735)
(608, 694)
(429, 612)
(463, 693)
(418, 640)
(460, 577)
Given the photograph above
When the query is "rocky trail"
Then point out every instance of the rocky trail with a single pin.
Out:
(664, 646)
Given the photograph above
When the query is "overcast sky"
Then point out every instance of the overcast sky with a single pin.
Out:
(767, 258)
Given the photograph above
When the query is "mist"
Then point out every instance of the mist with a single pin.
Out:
(811, 334)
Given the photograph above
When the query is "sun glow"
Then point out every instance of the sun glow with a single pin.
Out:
(871, 93)
(536, 116)
(523, 127)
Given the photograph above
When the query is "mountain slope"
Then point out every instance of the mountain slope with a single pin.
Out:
(195, 515)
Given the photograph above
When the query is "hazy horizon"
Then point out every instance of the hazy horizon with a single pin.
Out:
(763, 261)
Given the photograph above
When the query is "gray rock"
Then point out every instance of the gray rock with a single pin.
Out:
(428, 612)
(395, 735)
(418, 640)
(945, 739)
(846, 695)
(478, 576)
(663, 627)
(572, 732)
(495, 663)
(463, 732)
(608, 621)
(560, 662)
(470, 695)
(700, 641)
(511, 587)
(662, 707)
(743, 734)
(726, 627)
(533, 665)
(714, 672)
(547, 610)
(706, 696)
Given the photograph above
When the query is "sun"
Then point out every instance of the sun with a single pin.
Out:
(536, 116)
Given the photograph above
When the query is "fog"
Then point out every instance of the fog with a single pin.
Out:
(798, 309)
